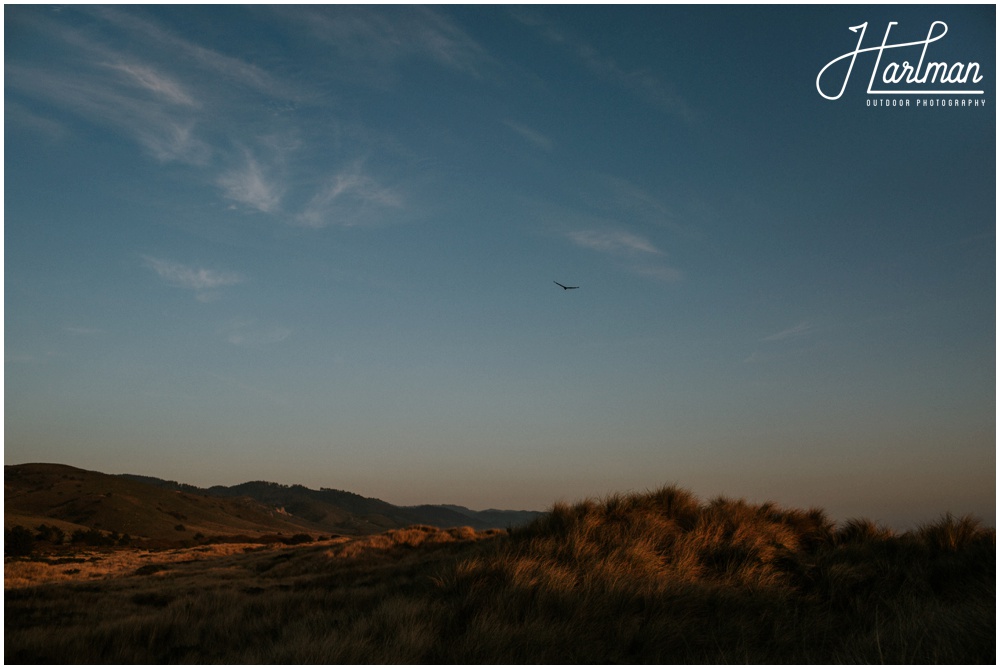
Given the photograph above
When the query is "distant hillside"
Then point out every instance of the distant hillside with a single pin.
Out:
(451, 515)
(162, 510)
(350, 513)
(71, 498)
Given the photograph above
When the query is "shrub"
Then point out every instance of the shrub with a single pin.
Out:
(950, 534)
(861, 531)
(18, 541)
(50, 533)
(92, 537)
(678, 504)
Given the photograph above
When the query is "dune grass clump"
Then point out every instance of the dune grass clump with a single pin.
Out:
(658, 577)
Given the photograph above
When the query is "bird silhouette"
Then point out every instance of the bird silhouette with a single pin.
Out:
(565, 287)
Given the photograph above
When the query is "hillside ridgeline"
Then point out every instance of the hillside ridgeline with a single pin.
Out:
(167, 512)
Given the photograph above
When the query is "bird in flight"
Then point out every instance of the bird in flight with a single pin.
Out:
(565, 287)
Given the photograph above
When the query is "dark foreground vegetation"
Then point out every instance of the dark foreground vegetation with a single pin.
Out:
(652, 578)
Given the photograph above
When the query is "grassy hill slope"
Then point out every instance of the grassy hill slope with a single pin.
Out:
(69, 497)
(349, 513)
(652, 578)
(156, 509)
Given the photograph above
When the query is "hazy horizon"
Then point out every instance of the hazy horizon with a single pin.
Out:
(318, 245)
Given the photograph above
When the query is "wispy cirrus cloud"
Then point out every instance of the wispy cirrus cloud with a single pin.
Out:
(179, 101)
(800, 330)
(28, 120)
(156, 82)
(640, 82)
(640, 204)
(597, 223)
(538, 139)
(445, 42)
(230, 119)
(251, 186)
(613, 241)
(142, 96)
(349, 198)
(371, 42)
(204, 282)
(170, 141)
(233, 71)
(637, 254)
(793, 341)
(168, 134)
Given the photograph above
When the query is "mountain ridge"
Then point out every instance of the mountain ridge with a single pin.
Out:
(295, 496)
(166, 510)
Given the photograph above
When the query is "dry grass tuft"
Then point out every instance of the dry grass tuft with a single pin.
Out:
(648, 578)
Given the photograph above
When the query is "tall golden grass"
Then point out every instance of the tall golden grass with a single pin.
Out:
(645, 578)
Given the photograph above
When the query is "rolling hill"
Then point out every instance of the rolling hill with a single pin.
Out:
(72, 498)
(349, 513)
(162, 510)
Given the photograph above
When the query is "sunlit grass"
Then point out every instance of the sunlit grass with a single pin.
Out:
(87, 565)
(647, 578)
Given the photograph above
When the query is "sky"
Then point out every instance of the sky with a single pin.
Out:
(318, 245)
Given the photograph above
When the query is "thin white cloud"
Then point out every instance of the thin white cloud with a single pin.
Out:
(351, 197)
(114, 89)
(167, 134)
(373, 41)
(637, 254)
(637, 203)
(445, 42)
(533, 136)
(203, 281)
(606, 235)
(232, 120)
(155, 82)
(233, 70)
(250, 185)
(633, 197)
(641, 82)
(170, 141)
(787, 342)
(612, 241)
(802, 329)
(27, 119)
(170, 101)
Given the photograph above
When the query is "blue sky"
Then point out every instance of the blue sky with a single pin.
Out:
(317, 245)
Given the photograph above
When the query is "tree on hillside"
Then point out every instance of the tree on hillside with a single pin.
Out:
(50, 533)
(18, 540)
